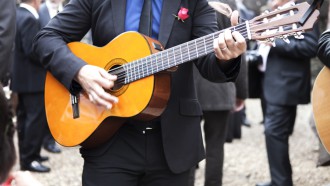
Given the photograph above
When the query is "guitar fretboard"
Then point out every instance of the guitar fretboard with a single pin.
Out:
(177, 55)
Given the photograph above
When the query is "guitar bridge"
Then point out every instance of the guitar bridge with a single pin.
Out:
(75, 106)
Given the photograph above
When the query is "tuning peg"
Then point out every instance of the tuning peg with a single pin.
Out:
(291, 12)
(271, 40)
(265, 20)
(294, 26)
(292, 3)
(285, 39)
(274, 44)
(298, 35)
(281, 29)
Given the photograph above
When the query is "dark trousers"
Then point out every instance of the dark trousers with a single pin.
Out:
(31, 126)
(279, 126)
(215, 130)
(48, 139)
(131, 158)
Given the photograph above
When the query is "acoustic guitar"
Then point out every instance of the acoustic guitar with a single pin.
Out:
(321, 105)
(143, 69)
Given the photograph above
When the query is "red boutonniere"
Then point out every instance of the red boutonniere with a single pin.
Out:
(182, 14)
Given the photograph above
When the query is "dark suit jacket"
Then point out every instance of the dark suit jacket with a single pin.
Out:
(44, 15)
(28, 75)
(324, 48)
(287, 79)
(221, 96)
(7, 36)
(181, 132)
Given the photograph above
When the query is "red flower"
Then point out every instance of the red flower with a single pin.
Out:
(182, 14)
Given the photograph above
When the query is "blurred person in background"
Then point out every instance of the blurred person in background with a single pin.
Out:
(27, 80)
(287, 83)
(47, 11)
(7, 40)
(7, 146)
(218, 101)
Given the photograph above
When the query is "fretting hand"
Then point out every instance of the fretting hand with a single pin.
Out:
(229, 45)
(95, 80)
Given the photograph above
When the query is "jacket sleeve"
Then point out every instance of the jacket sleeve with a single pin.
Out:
(299, 48)
(69, 25)
(324, 48)
(7, 36)
(241, 82)
(205, 22)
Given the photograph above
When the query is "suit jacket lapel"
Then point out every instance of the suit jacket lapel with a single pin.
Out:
(119, 14)
(170, 7)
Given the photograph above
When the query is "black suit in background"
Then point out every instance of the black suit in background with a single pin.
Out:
(49, 142)
(7, 40)
(323, 52)
(161, 157)
(218, 101)
(7, 25)
(28, 78)
(287, 83)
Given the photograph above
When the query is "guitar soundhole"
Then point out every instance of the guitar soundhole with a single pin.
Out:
(119, 86)
(120, 72)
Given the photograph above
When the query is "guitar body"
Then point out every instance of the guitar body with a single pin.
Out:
(321, 105)
(143, 99)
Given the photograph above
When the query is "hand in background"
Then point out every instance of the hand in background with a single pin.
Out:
(239, 104)
(24, 178)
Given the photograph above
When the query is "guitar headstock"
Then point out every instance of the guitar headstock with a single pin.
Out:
(282, 23)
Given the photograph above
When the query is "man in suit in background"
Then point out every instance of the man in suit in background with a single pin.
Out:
(287, 83)
(7, 40)
(161, 151)
(28, 78)
(7, 37)
(218, 101)
(48, 10)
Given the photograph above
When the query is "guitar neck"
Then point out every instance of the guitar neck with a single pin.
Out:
(177, 55)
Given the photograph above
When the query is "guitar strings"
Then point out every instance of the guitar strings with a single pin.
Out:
(139, 64)
(134, 68)
(237, 30)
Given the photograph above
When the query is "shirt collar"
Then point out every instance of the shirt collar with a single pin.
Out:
(30, 9)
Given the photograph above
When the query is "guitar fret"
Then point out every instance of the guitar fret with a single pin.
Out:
(168, 60)
(145, 72)
(151, 62)
(141, 67)
(129, 78)
(196, 49)
(204, 46)
(135, 71)
(181, 55)
(161, 58)
(188, 51)
(157, 63)
(174, 56)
